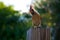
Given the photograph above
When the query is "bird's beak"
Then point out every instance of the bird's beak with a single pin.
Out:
(30, 13)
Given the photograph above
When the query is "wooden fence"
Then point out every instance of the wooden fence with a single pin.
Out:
(38, 33)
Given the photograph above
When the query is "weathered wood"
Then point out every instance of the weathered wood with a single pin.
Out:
(38, 34)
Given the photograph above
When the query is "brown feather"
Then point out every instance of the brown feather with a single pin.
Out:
(36, 18)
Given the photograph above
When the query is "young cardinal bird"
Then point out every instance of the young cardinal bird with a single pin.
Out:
(36, 18)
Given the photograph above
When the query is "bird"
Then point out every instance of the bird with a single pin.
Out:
(36, 18)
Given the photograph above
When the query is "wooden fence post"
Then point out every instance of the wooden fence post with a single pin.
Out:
(38, 33)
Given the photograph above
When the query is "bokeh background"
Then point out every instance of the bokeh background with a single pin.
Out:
(15, 23)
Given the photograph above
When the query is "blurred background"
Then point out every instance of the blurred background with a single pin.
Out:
(15, 19)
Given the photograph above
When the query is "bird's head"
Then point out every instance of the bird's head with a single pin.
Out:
(31, 10)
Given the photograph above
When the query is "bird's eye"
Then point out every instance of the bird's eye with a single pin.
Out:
(32, 10)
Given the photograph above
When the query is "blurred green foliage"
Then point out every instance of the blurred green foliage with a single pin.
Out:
(47, 10)
(12, 27)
